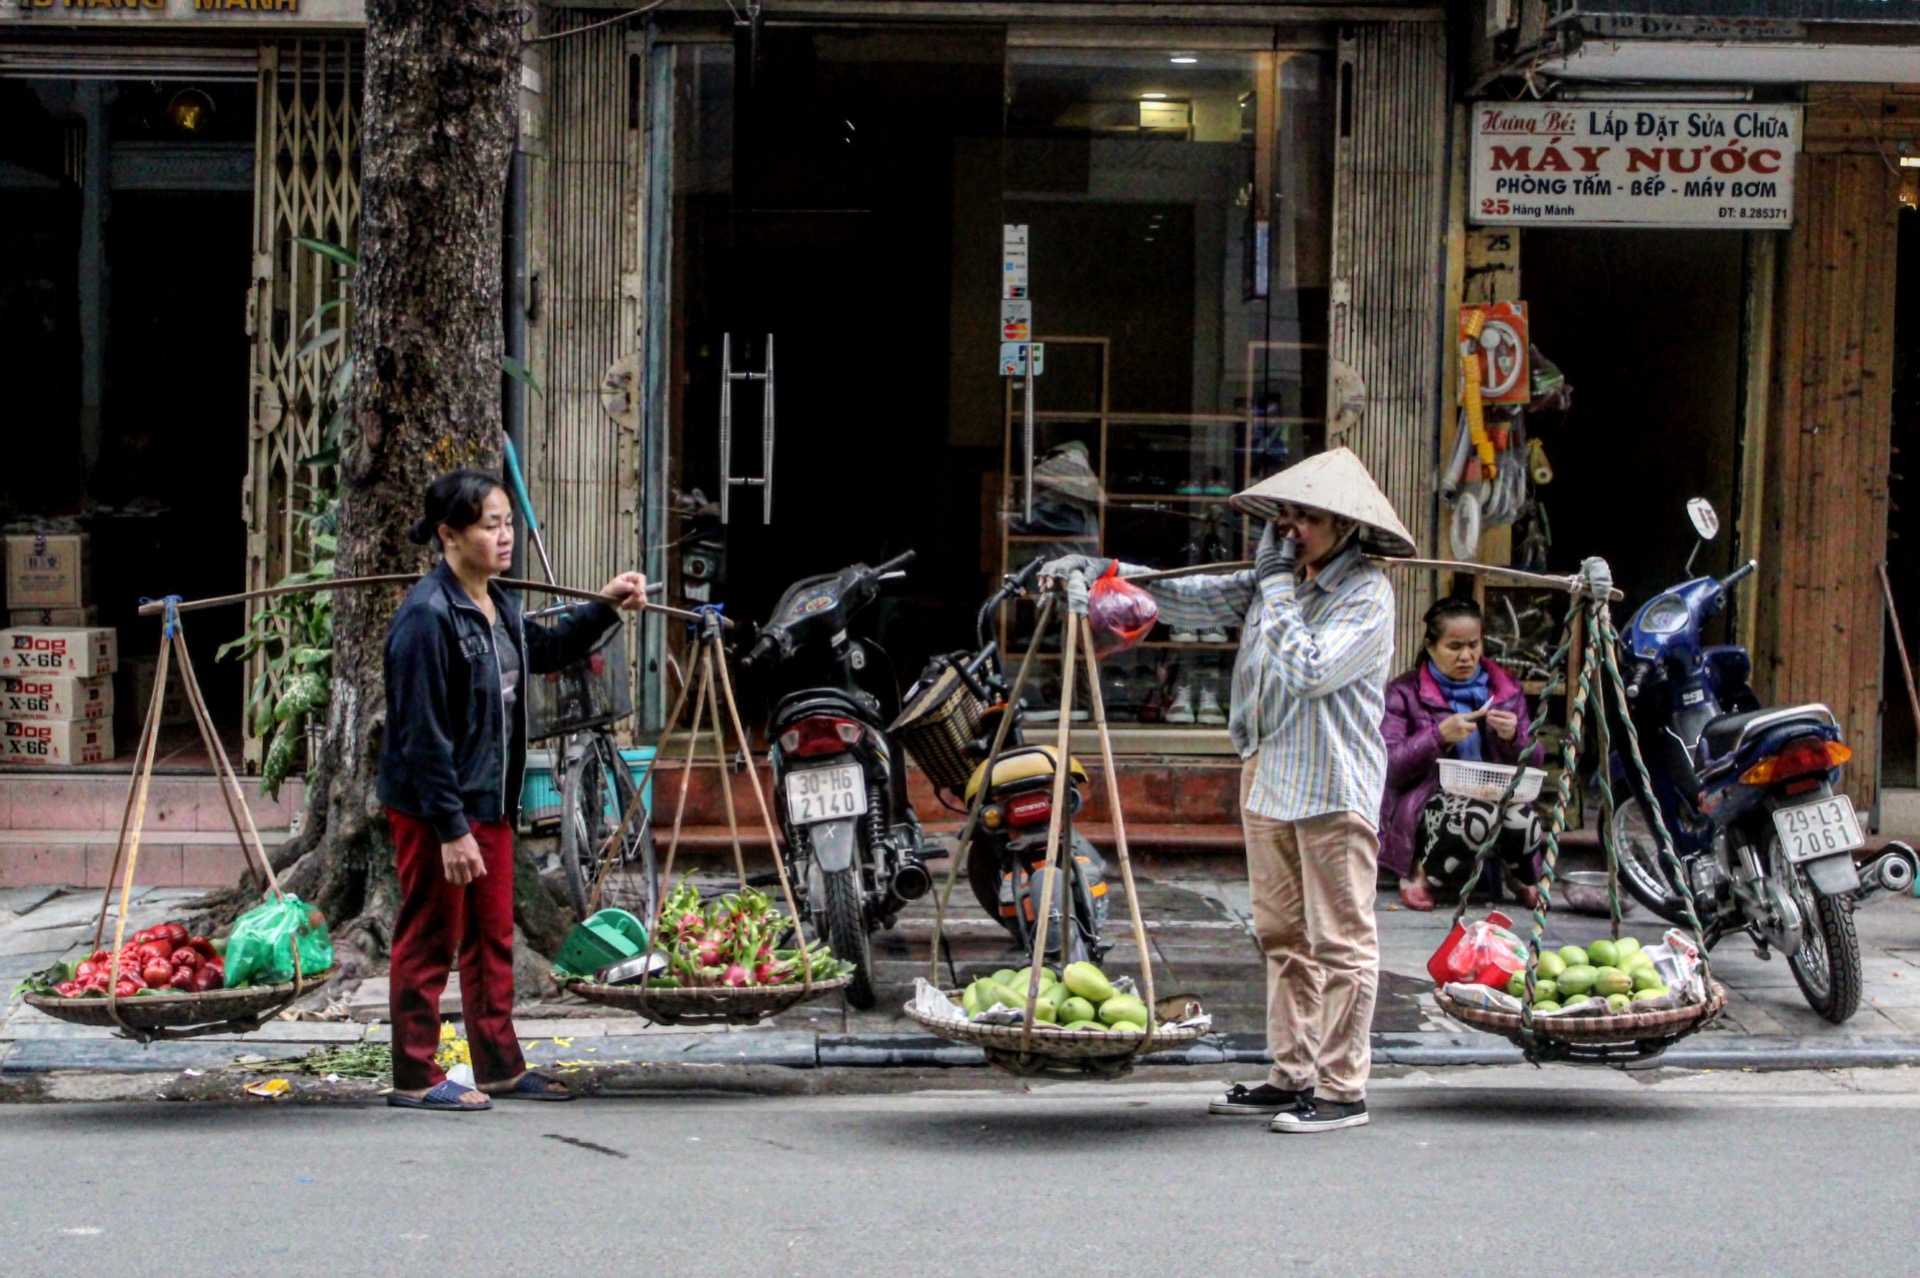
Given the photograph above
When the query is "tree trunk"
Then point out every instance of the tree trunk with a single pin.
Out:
(442, 84)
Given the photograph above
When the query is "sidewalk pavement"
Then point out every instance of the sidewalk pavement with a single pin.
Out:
(1197, 926)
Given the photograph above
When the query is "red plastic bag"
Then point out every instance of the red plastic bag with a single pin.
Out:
(1120, 612)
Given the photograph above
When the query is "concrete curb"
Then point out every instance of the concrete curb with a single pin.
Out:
(796, 1050)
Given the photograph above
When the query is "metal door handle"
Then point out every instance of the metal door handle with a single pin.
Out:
(728, 480)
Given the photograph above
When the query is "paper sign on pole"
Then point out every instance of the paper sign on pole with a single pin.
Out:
(1016, 321)
(1013, 358)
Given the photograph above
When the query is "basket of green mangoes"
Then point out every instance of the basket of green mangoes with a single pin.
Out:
(1611, 991)
(1079, 1016)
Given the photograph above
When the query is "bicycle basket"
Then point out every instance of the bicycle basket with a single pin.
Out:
(939, 721)
(593, 692)
(1488, 781)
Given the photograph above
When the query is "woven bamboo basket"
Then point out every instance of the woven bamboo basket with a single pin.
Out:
(173, 1011)
(1061, 1052)
(938, 726)
(706, 1005)
(1627, 1036)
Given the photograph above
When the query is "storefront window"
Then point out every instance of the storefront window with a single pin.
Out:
(1173, 208)
(843, 214)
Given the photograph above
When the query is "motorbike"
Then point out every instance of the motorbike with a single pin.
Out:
(1006, 857)
(1748, 793)
(853, 846)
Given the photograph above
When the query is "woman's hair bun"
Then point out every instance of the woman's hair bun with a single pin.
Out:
(421, 533)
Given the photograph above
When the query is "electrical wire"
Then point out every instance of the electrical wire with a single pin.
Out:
(622, 16)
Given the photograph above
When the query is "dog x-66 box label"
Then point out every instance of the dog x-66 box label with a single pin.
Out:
(55, 742)
(38, 696)
(85, 652)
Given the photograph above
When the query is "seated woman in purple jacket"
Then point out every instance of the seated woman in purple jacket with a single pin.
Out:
(1454, 704)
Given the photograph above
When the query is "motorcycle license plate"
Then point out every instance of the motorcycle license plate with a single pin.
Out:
(826, 794)
(1818, 829)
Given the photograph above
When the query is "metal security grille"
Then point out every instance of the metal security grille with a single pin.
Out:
(582, 464)
(306, 184)
(1389, 239)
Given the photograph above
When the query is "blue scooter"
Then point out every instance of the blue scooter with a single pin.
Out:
(1749, 794)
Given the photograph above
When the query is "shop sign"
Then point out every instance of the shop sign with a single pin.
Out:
(1742, 11)
(1633, 164)
(186, 12)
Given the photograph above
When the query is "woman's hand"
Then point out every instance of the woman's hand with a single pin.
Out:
(1456, 728)
(1505, 723)
(629, 588)
(462, 860)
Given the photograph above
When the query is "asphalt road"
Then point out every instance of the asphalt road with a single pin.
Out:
(1488, 1172)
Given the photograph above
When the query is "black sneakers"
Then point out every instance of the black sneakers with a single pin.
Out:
(1312, 1115)
(1263, 1100)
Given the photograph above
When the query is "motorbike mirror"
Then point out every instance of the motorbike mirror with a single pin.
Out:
(1706, 521)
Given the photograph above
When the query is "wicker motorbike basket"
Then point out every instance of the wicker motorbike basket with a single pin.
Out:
(706, 1005)
(937, 725)
(593, 692)
(1627, 1036)
(1060, 1052)
(171, 1011)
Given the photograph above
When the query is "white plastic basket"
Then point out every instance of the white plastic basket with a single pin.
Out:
(1489, 781)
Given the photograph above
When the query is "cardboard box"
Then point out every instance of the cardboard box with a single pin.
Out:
(173, 708)
(48, 570)
(37, 696)
(87, 616)
(55, 742)
(85, 651)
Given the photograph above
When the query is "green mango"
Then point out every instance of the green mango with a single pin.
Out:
(1651, 992)
(1089, 982)
(1603, 953)
(1551, 965)
(1626, 947)
(1617, 1002)
(1045, 1012)
(1123, 1007)
(1083, 1025)
(1006, 997)
(1076, 1008)
(1610, 981)
(1517, 985)
(1054, 995)
(1578, 979)
(1647, 978)
(1546, 1005)
(1006, 976)
(970, 999)
(1574, 956)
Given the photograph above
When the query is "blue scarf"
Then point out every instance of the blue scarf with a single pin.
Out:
(1464, 696)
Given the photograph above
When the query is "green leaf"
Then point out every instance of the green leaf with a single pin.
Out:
(242, 645)
(327, 248)
(520, 373)
(325, 457)
(279, 761)
(318, 341)
(342, 380)
(319, 313)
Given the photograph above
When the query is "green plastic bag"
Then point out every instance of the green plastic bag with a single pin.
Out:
(260, 950)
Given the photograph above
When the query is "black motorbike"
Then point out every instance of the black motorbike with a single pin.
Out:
(1007, 855)
(853, 846)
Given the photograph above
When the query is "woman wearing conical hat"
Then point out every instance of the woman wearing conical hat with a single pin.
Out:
(1308, 691)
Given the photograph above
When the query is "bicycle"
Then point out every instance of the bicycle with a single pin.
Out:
(606, 835)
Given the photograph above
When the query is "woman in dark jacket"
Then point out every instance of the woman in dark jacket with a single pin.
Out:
(457, 660)
(1454, 704)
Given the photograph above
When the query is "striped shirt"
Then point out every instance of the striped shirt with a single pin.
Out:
(1309, 682)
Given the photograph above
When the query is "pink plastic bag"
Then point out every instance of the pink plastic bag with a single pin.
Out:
(1120, 613)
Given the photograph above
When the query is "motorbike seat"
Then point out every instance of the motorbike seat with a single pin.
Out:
(1024, 763)
(1722, 734)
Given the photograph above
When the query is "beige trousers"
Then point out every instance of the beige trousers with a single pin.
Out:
(1313, 888)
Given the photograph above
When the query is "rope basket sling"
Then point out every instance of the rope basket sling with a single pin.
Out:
(1625, 1036)
(1033, 1048)
(178, 1014)
(708, 1004)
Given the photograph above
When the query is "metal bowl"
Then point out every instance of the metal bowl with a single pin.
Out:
(634, 969)
(1585, 892)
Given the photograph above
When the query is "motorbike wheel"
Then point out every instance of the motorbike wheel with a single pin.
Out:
(1827, 965)
(1640, 866)
(983, 876)
(847, 933)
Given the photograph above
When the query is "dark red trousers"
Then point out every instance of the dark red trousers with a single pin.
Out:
(439, 921)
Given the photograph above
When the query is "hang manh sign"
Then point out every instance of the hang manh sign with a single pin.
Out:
(1633, 164)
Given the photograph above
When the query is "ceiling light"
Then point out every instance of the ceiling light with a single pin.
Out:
(191, 110)
(1153, 97)
(1184, 59)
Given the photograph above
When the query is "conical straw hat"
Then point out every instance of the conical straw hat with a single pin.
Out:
(1335, 481)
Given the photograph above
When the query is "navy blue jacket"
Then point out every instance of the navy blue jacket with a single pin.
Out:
(451, 755)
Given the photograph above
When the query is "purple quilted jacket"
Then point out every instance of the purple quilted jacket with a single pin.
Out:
(1411, 726)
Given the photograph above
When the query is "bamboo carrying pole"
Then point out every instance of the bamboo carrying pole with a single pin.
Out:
(1546, 581)
(155, 607)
